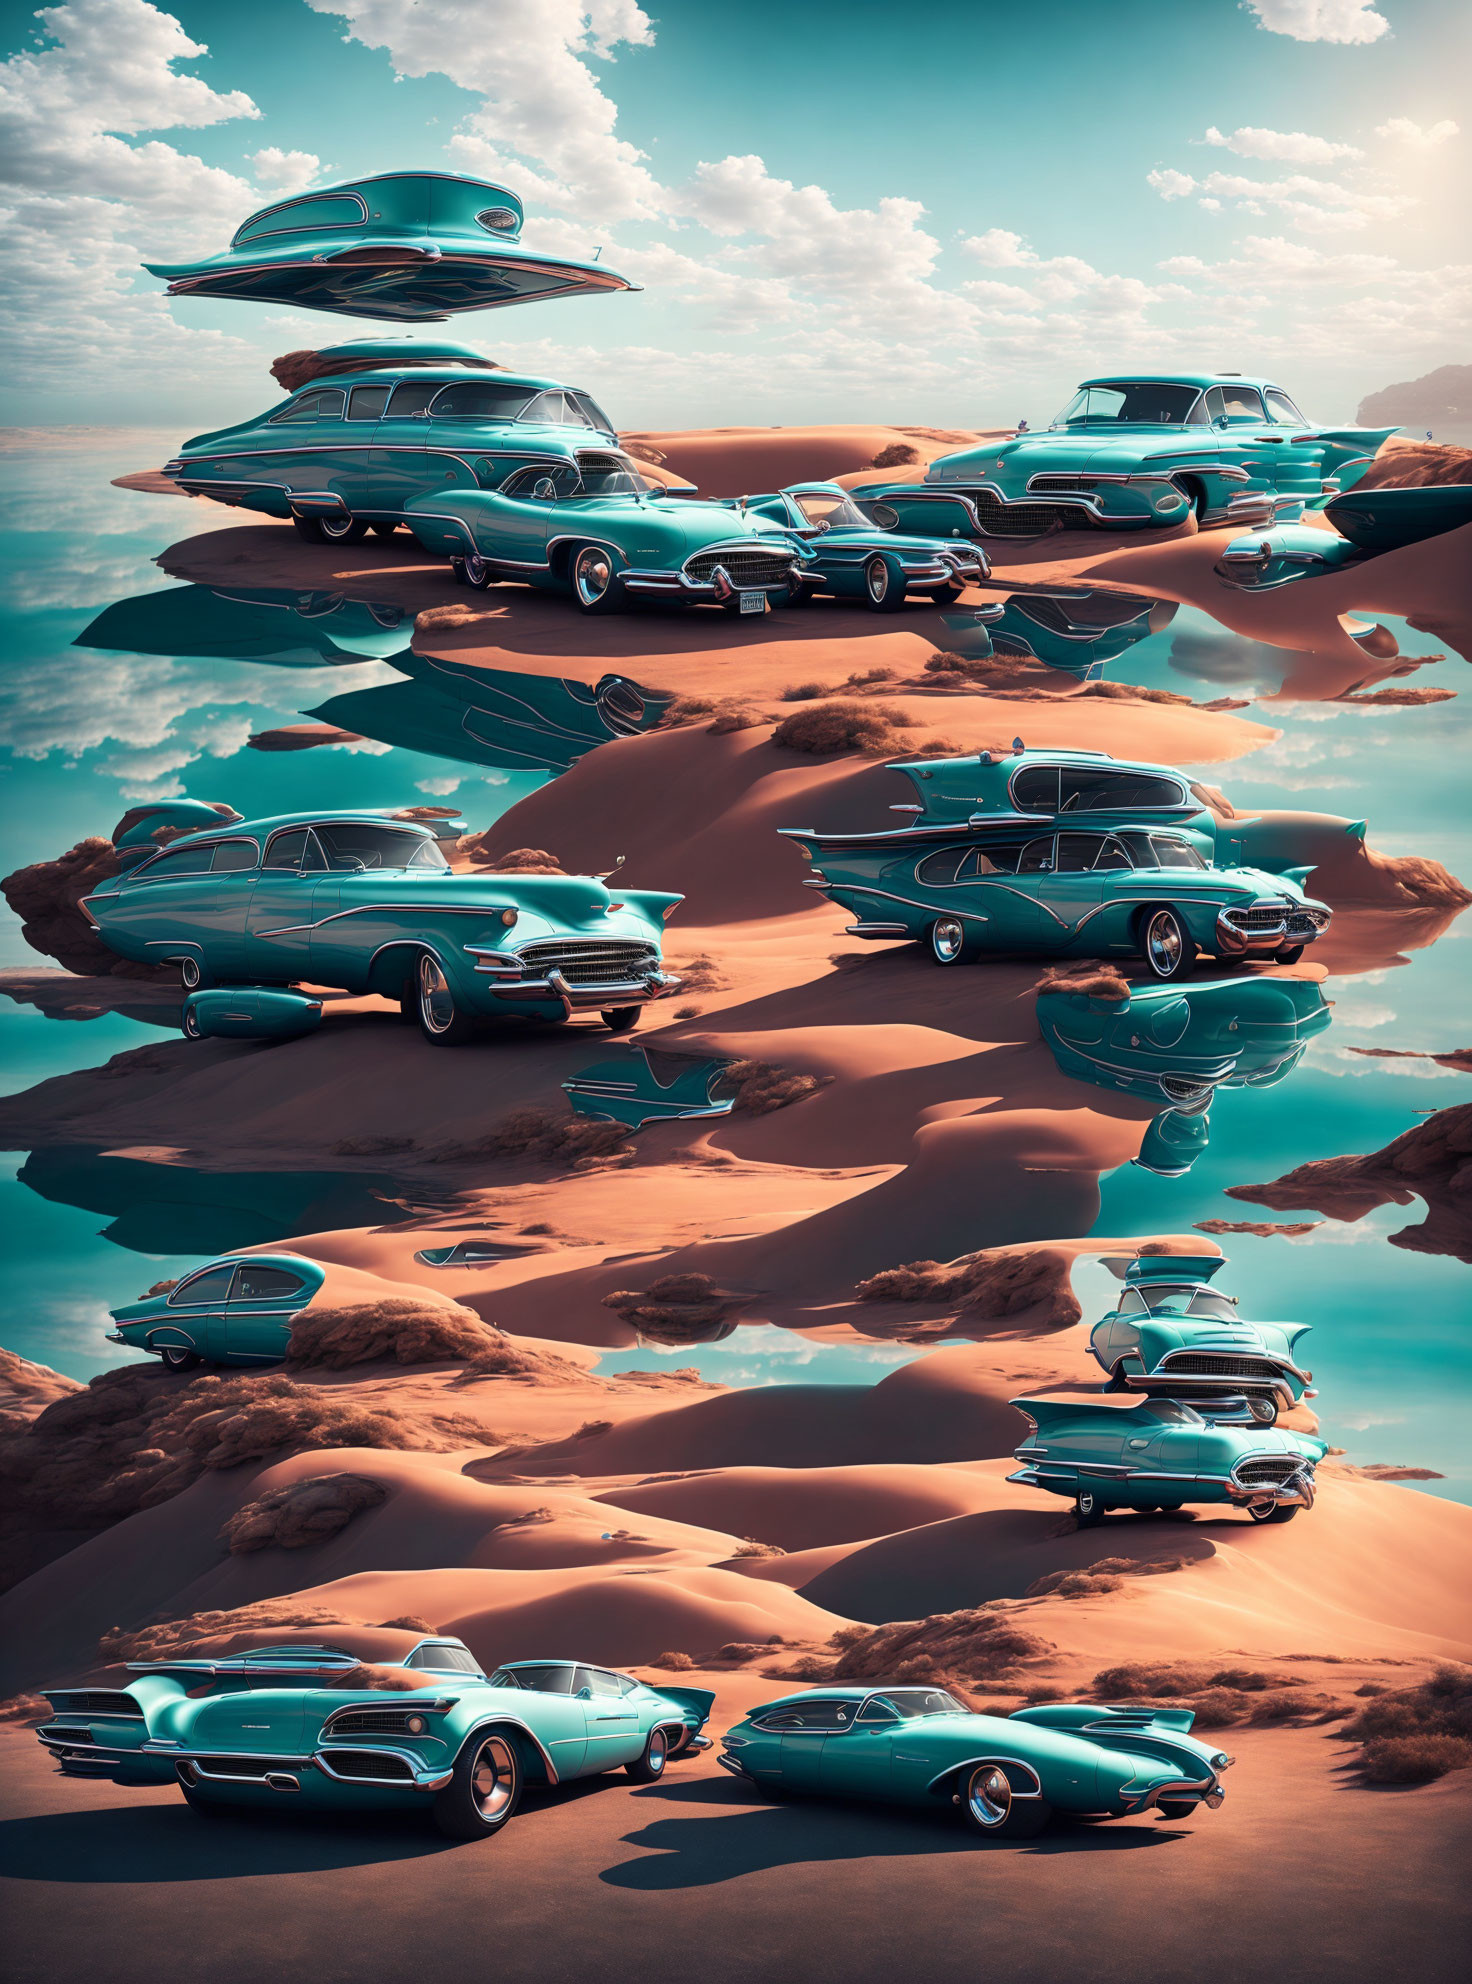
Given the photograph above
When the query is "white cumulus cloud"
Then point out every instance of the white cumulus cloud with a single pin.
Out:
(1406, 131)
(1297, 147)
(1353, 21)
(284, 172)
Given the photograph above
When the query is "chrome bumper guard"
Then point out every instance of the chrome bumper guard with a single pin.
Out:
(1206, 1791)
(730, 1764)
(875, 931)
(553, 989)
(1296, 926)
(1297, 1489)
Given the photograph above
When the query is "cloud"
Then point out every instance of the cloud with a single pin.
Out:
(439, 788)
(1353, 21)
(1170, 184)
(1406, 131)
(1271, 261)
(284, 172)
(1297, 147)
(1318, 205)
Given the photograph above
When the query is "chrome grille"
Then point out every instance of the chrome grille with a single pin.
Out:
(1302, 924)
(1256, 919)
(1180, 1089)
(98, 1701)
(369, 1764)
(1268, 1470)
(590, 963)
(372, 1722)
(69, 1736)
(758, 566)
(1051, 484)
(1199, 1364)
(261, 1767)
(999, 519)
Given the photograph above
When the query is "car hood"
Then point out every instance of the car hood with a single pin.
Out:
(1028, 454)
(1226, 1445)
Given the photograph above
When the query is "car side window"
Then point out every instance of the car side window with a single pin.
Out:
(599, 1685)
(1035, 789)
(1112, 855)
(1077, 853)
(288, 850)
(412, 396)
(593, 413)
(939, 870)
(1234, 404)
(231, 856)
(876, 1709)
(1037, 857)
(211, 1286)
(554, 1679)
(367, 402)
(174, 867)
(325, 405)
(1000, 858)
(258, 1284)
(1283, 410)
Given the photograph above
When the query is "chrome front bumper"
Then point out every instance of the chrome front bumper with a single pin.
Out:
(554, 990)
(1297, 1489)
(1296, 926)
(1206, 1791)
(79, 1758)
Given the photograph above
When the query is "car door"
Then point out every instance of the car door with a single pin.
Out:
(1239, 421)
(398, 459)
(556, 1717)
(279, 919)
(223, 909)
(200, 1306)
(1076, 883)
(804, 1736)
(165, 904)
(308, 438)
(366, 407)
(614, 1731)
(1031, 919)
(857, 1758)
(515, 529)
(263, 1301)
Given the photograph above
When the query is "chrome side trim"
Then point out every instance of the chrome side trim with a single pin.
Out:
(971, 1763)
(426, 1777)
(513, 1722)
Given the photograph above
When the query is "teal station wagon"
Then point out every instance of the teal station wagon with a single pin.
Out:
(234, 1311)
(1163, 1454)
(291, 1726)
(369, 903)
(357, 449)
(1132, 452)
(412, 246)
(1170, 1333)
(855, 559)
(1003, 1776)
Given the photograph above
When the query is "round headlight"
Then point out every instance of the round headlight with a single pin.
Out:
(508, 917)
(417, 1725)
(1169, 499)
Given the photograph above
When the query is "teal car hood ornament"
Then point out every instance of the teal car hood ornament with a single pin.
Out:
(1172, 1334)
(245, 1729)
(1137, 452)
(416, 247)
(1002, 1776)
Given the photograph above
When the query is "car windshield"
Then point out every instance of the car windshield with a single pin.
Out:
(1150, 402)
(1171, 1411)
(1184, 1298)
(349, 844)
(608, 478)
(1161, 851)
(839, 512)
(923, 1701)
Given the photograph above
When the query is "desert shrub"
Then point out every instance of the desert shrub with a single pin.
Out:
(981, 1642)
(303, 1513)
(760, 1087)
(436, 619)
(591, 1428)
(1440, 1706)
(565, 1141)
(831, 728)
(1091, 981)
(897, 454)
(1414, 1759)
(202, 1633)
(997, 1281)
(678, 1308)
(674, 1662)
(405, 1329)
(371, 1146)
(701, 974)
(751, 1548)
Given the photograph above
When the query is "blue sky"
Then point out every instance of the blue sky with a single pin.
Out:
(842, 211)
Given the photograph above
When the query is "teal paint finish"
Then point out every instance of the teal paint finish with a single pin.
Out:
(1079, 632)
(248, 1729)
(1173, 1334)
(650, 1085)
(272, 624)
(919, 1746)
(1140, 452)
(855, 558)
(249, 1014)
(1263, 560)
(358, 900)
(1385, 519)
(233, 1311)
(409, 246)
(1165, 1454)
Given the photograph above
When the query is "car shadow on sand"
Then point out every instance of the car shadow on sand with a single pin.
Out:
(127, 1845)
(697, 1852)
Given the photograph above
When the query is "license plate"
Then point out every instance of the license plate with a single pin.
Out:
(753, 602)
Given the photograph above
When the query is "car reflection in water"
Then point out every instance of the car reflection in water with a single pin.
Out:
(1178, 1044)
(651, 1085)
(279, 625)
(1078, 632)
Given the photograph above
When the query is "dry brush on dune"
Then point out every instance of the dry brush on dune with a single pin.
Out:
(1412, 1735)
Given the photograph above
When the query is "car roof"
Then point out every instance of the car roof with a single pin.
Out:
(243, 829)
(1199, 379)
(569, 1660)
(430, 375)
(247, 1255)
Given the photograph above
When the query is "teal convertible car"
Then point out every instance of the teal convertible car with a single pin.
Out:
(1004, 1776)
(1136, 452)
(1162, 1454)
(1173, 1335)
(295, 1725)
(853, 558)
(368, 902)
(233, 1311)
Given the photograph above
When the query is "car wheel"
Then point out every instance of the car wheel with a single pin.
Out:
(440, 1018)
(1167, 945)
(342, 530)
(1290, 954)
(177, 1358)
(988, 1806)
(1088, 1510)
(191, 974)
(649, 1768)
(477, 572)
(1273, 1511)
(309, 527)
(1176, 1808)
(484, 1791)
(189, 1024)
(621, 1019)
(594, 581)
(884, 588)
(949, 942)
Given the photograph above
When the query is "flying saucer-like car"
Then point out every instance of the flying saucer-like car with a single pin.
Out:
(415, 247)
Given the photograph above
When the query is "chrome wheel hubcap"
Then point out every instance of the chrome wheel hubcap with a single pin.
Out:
(989, 1796)
(475, 570)
(657, 1749)
(189, 972)
(336, 526)
(877, 578)
(1164, 941)
(436, 1002)
(594, 574)
(493, 1778)
(947, 939)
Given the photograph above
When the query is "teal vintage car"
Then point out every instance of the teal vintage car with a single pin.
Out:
(357, 449)
(413, 246)
(1260, 561)
(1015, 884)
(854, 559)
(1079, 630)
(368, 902)
(596, 528)
(1170, 1333)
(1003, 1776)
(1136, 451)
(233, 1311)
(1164, 1454)
(296, 1726)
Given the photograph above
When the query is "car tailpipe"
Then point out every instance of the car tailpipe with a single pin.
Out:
(282, 1780)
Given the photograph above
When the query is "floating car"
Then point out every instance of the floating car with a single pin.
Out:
(1171, 1334)
(1079, 632)
(1132, 452)
(651, 1085)
(1386, 518)
(286, 628)
(596, 528)
(1263, 560)
(352, 451)
(369, 903)
(416, 246)
(250, 1729)
(855, 559)
(1162, 1454)
(1139, 890)
(235, 1311)
(1004, 1776)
